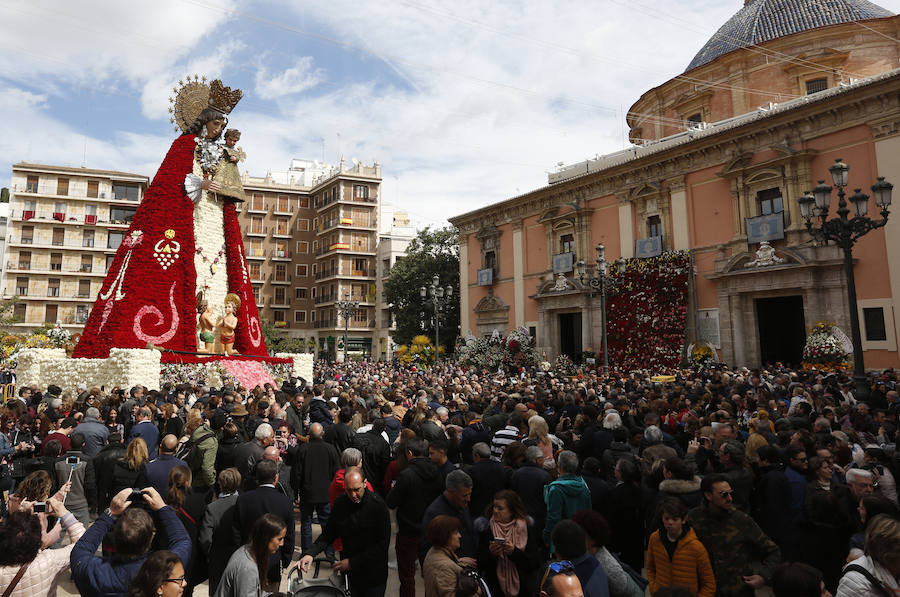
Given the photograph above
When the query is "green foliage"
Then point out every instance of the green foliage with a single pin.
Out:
(430, 252)
(277, 341)
(4, 195)
(7, 314)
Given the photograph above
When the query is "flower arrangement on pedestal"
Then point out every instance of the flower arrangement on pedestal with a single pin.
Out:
(420, 350)
(515, 351)
(647, 312)
(703, 355)
(824, 350)
(45, 337)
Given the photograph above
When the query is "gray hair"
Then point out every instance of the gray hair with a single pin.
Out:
(93, 412)
(441, 411)
(482, 450)
(532, 453)
(735, 449)
(653, 435)
(56, 402)
(263, 431)
(858, 474)
(567, 463)
(612, 420)
(351, 457)
(457, 480)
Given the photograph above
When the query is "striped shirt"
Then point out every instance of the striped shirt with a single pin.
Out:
(503, 438)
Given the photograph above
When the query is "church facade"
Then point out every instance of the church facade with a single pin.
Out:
(722, 154)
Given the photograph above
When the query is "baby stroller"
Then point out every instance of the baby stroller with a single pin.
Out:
(316, 585)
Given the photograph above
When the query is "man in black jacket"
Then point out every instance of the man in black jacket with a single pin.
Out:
(376, 454)
(529, 481)
(249, 453)
(319, 411)
(316, 463)
(363, 522)
(488, 477)
(265, 499)
(418, 485)
(340, 435)
(103, 464)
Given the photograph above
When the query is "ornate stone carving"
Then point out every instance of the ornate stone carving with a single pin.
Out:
(561, 284)
(765, 256)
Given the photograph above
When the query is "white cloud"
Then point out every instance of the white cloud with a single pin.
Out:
(298, 78)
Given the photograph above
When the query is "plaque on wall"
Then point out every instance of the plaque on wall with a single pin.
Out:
(648, 247)
(708, 326)
(562, 263)
(486, 276)
(765, 228)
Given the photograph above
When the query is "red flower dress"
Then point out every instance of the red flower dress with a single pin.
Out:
(149, 294)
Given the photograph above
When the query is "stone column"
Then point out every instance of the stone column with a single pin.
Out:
(887, 157)
(464, 314)
(626, 227)
(680, 228)
(518, 274)
(738, 336)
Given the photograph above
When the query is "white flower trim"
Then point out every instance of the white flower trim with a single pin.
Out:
(303, 364)
(125, 367)
(193, 186)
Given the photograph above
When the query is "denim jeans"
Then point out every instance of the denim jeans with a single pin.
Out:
(306, 516)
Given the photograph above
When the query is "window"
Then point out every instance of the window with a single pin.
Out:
(490, 261)
(281, 227)
(304, 202)
(59, 237)
(115, 239)
(280, 272)
(278, 316)
(300, 293)
(109, 262)
(874, 321)
(53, 287)
(62, 186)
(31, 185)
(256, 226)
(303, 225)
(283, 204)
(87, 264)
(84, 288)
(90, 210)
(567, 243)
(123, 191)
(93, 189)
(770, 201)
(302, 246)
(360, 191)
(695, 118)
(27, 235)
(31, 205)
(51, 312)
(59, 207)
(654, 227)
(81, 313)
(302, 270)
(280, 296)
(299, 316)
(256, 294)
(24, 259)
(360, 267)
(816, 85)
(257, 202)
(121, 215)
(21, 287)
(315, 245)
(56, 262)
(312, 315)
(87, 238)
(255, 271)
(281, 250)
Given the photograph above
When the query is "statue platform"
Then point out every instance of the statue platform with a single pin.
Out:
(127, 367)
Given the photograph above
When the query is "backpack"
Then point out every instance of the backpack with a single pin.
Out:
(187, 451)
(879, 588)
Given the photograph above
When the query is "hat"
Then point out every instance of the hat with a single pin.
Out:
(218, 420)
(239, 411)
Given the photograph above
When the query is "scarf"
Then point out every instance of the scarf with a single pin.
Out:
(516, 533)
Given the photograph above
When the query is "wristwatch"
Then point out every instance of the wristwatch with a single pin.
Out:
(109, 513)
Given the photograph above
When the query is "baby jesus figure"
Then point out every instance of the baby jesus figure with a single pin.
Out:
(227, 174)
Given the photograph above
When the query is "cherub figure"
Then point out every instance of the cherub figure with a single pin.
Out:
(227, 174)
(228, 323)
(207, 326)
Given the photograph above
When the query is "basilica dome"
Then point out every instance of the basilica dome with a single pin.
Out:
(763, 20)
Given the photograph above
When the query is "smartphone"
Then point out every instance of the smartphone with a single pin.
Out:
(39, 507)
(72, 460)
(499, 540)
(136, 496)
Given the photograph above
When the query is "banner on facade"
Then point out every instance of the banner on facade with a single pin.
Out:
(562, 263)
(486, 276)
(648, 247)
(765, 228)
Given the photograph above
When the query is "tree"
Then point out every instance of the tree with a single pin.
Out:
(430, 252)
(277, 341)
(4, 195)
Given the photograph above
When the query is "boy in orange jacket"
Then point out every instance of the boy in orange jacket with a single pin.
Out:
(675, 557)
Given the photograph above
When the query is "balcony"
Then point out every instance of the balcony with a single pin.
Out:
(82, 244)
(257, 208)
(50, 190)
(253, 231)
(276, 303)
(280, 255)
(325, 323)
(256, 253)
(283, 210)
(347, 247)
(281, 232)
(330, 200)
(347, 223)
(276, 279)
(30, 215)
(325, 298)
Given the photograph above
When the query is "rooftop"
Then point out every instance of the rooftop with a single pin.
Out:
(79, 171)
(763, 20)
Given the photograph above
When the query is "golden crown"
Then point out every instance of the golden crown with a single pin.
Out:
(223, 98)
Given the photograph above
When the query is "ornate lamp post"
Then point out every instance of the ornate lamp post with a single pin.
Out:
(844, 231)
(347, 309)
(440, 297)
(601, 282)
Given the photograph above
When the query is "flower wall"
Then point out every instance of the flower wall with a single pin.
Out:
(647, 312)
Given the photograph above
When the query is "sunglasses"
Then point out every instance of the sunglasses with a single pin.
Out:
(560, 566)
(726, 494)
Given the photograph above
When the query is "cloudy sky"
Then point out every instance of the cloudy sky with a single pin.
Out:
(463, 103)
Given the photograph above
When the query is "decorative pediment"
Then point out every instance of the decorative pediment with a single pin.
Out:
(488, 231)
(749, 260)
(491, 303)
(736, 164)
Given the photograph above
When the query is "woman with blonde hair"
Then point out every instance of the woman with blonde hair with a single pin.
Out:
(539, 435)
(126, 470)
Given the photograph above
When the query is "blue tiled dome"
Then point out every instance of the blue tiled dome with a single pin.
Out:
(761, 20)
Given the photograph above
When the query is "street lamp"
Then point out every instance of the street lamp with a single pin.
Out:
(347, 309)
(844, 231)
(601, 282)
(440, 297)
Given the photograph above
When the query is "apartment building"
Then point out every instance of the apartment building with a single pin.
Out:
(63, 228)
(395, 234)
(310, 234)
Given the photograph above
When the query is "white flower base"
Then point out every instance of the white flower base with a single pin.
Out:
(125, 367)
(303, 364)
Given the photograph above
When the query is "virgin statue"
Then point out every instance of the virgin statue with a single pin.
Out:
(184, 241)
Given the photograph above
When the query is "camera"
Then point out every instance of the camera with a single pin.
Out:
(136, 496)
(39, 507)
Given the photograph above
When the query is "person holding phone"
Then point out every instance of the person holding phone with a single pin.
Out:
(74, 468)
(509, 549)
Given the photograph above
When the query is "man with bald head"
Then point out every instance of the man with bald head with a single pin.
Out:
(286, 480)
(156, 472)
(362, 521)
(315, 465)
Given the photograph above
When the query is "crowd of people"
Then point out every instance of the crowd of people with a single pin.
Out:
(716, 482)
